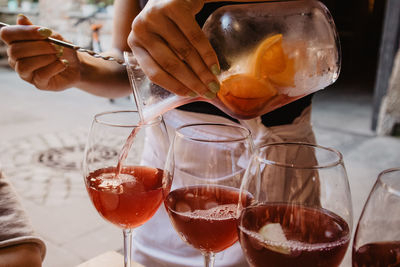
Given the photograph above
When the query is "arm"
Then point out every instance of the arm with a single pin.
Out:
(18, 244)
(98, 76)
(49, 68)
(172, 49)
(168, 43)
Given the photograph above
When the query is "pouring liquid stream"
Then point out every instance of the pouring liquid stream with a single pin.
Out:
(128, 144)
(125, 149)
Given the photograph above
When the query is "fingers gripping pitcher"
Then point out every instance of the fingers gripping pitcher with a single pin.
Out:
(270, 54)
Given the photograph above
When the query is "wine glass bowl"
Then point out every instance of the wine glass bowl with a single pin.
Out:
(206, 162)
(128, 200)
(124, 187)
(377, 238)
(301, 214)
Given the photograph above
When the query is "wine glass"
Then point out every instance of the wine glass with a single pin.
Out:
(301, 214)
(206, 162)
(377, 239)
(124, 187)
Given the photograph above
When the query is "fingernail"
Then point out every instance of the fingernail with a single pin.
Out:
(210, 95)
(192, 94)
(214, 87)
(215, 69)
(65, 62)
(59, 49)
(20, 15)
(45, 32)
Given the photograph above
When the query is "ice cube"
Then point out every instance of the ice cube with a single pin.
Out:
(273, 232)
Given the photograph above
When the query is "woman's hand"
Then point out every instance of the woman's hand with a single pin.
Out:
(41, 63)
(172, 49)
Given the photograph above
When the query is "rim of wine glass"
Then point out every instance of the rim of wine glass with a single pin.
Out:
(287, 165)
(127, 125)
(228, 140)
(387, 186)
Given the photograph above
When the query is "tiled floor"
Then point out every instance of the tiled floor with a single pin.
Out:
(41, 139)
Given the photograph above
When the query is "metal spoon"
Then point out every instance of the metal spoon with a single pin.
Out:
(77, 48)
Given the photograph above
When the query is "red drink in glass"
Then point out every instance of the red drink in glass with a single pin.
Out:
(205, 216)
(128, 200)
(380, 254)
(312, 236)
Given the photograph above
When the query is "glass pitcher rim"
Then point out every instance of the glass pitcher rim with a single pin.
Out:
(125, 125)
(329, 164)
(129, 55)
(256, 4)
(228, 140)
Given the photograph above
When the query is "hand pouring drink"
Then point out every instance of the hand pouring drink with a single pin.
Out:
(270, 55)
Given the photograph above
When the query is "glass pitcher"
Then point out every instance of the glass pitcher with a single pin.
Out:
(270, 54)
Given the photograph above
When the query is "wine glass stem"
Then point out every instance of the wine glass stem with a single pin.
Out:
(209, 259)
(127, 247)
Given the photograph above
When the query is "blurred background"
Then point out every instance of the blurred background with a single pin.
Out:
(368, 30)
(42, 134)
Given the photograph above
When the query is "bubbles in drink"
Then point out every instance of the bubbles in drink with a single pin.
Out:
(205, 216)
(220, 212)
(127, 199)
(109, 181)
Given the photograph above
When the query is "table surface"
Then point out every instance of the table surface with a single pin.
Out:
(108, 259)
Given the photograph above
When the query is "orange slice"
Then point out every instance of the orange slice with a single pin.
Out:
(269, 57)
(246, 95)
(246, 86)
(246, 108)
(270, 61)
(286, 77)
